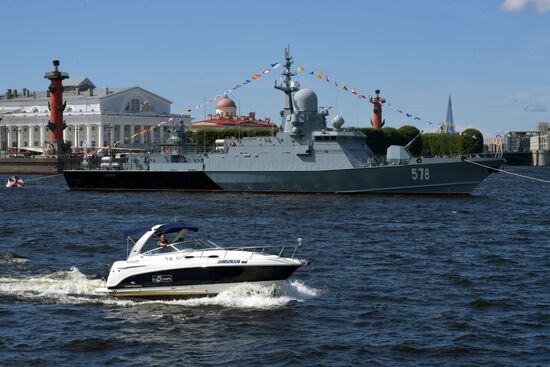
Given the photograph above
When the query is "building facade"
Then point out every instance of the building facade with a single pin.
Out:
(524, 147)
(95, 117)
(226, 117)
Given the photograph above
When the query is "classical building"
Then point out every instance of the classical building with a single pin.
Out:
(226, 117)
(95, 117)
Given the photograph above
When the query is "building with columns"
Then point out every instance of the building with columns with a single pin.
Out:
(95, 117)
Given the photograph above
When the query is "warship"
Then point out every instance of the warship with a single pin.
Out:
(305, 156)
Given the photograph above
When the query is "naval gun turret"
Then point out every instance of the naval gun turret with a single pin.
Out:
(397, 154)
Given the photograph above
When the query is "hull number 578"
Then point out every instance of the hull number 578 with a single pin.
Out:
(422, 174)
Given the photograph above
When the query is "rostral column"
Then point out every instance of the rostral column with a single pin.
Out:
(56, 106)
(377, 101)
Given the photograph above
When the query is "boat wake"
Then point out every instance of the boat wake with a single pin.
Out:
(73, 287)
(12, 258)
(60, 287)
(256, 296)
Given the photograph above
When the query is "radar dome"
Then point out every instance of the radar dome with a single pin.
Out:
(337, 121)
(305, 100)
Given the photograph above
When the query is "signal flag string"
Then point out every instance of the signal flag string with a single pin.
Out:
(347, 88)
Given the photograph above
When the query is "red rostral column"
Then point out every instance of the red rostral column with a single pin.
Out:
(56, 106)
(378, 101)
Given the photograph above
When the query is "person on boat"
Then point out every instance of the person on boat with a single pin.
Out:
(163, 241)
(180, 237)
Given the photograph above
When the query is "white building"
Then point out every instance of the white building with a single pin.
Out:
(95, 117)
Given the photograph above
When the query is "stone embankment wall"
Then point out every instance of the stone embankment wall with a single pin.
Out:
(541, 158)
(37, 165)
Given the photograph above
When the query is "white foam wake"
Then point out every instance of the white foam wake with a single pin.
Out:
(60, 287)
(12, 258)
(255, 296)
(73, 287)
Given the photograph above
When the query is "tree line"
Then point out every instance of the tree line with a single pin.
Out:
(470, 141)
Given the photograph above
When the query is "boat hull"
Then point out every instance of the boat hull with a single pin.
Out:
(185, 291)
(196, 281)
(452, 177)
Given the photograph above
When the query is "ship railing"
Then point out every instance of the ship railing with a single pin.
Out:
(190, 149)
(278, 250)
(265, 249)
(480, 155)
(191, 246)
(261, 249)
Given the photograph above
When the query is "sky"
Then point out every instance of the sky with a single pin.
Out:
(491, 56)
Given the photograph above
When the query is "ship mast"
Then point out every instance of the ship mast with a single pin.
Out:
(287, 86)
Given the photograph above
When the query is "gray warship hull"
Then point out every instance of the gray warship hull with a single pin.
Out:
(451, 178)
(430, 176)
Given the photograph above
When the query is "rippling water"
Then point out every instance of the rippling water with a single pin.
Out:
(398, 280)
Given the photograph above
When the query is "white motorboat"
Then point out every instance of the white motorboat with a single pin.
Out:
(193, 267)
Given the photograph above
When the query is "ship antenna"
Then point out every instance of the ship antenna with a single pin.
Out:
(286, 85)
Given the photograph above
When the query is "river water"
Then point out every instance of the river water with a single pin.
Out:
(394, 280)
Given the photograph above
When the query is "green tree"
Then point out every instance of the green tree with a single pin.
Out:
(427, 145)
(435, 144)
(472, 141)
(376, 140)
(455, 144)
(393, 136)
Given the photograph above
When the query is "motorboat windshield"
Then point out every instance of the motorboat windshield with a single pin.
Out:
(184, 246)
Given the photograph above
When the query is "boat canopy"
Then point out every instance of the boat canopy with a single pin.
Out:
(164, 228)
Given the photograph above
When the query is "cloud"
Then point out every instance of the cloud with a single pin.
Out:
(521, 96)
(514, 5)
(539, 6)
(535, 108)
(540, 96)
